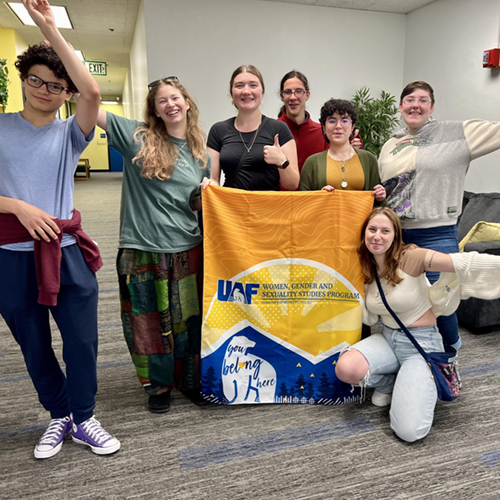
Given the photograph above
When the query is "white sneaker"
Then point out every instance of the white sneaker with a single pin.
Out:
(381, 399)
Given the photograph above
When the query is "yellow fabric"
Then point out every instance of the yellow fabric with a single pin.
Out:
(283, 293)
(481, 231)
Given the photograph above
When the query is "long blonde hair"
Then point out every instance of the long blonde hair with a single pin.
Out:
(393, 256)
(158, 154)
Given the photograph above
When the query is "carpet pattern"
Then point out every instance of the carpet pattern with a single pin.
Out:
(240, 452)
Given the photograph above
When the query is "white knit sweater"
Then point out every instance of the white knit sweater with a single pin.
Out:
(476, 275)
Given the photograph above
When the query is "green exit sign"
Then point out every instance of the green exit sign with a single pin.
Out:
(97, 68)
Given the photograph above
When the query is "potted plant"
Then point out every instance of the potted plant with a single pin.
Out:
(377, 118)
(4, 82)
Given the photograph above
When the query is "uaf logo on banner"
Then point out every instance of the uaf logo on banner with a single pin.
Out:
(227, 291)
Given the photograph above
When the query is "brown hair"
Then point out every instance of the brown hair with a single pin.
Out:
(393, 256)
(158, 154)
(418, 84)
(246, 69)
(293, 74)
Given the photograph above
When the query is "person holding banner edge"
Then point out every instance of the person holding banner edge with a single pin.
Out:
(256, 153)
(388, 361)
(341, 166)
(160, 257)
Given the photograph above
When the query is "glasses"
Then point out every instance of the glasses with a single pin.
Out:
(345, 121)
(288, 93)
(52, 87)
(156, 82)
(412, 100)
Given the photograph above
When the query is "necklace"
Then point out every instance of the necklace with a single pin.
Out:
(248, 148)
(343, 166)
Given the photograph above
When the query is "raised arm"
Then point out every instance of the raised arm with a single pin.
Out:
(102, 120)
(86, 114)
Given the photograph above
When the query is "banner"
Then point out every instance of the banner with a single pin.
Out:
(283, 294)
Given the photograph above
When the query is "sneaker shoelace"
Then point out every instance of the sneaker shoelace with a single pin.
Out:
(94, 430)
(53, 432)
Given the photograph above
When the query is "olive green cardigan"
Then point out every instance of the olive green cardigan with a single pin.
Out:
(313, 176)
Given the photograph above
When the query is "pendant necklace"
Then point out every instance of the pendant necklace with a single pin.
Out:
(248, 148)
(343, 166)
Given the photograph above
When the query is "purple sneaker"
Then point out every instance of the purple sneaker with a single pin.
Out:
(52, 440)
(92, 434)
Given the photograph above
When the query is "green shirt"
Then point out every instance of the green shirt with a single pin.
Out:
(155, 215)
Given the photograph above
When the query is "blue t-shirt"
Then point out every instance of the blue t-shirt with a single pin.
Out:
(37, 165)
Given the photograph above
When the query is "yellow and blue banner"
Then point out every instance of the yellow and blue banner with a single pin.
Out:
(283, 294)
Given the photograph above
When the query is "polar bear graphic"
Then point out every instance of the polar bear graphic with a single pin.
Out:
(238, 296)
(246, 378)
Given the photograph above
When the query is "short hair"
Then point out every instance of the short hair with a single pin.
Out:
(295, 74)
(340, 106)
(46, 56)
(417, 84)
(246, 69)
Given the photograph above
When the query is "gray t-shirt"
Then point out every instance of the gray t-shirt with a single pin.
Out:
(155, 215)
(37, 165)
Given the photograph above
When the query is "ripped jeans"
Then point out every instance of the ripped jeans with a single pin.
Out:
(396, 367)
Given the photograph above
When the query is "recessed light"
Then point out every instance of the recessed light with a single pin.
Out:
(60, 14)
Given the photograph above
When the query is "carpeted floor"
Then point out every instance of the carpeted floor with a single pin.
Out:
(240, 452)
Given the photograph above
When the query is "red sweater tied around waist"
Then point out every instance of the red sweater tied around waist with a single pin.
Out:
(48, 256)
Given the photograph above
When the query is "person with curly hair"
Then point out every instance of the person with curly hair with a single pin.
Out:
(160, 254)
(47, 263)
(341, 166)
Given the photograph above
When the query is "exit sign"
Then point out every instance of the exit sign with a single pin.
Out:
(97, 68)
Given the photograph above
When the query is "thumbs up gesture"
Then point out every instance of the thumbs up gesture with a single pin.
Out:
(273, 154)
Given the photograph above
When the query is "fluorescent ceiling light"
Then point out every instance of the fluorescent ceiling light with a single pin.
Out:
(60, 15)
(109, 102)
(79, 54)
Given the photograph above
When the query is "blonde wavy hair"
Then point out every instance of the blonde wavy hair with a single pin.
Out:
(393, 256)
(158, 155)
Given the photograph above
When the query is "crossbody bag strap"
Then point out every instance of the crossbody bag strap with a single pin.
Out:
(398, 321)
(234, 176)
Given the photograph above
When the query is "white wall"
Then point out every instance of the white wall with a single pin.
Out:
(138, 73)
(445, 42)
(339, 50)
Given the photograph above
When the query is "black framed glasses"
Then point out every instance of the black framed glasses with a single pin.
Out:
(156, 82)
(52, 87)
(298, 93)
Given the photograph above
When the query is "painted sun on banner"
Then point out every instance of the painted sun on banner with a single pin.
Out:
(283, 294)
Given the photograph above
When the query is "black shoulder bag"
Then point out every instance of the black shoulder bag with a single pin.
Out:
(443, 372)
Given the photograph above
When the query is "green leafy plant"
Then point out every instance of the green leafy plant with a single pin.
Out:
(377, 118)
(4, 82)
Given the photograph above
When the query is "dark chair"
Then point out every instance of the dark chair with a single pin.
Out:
(477, 315)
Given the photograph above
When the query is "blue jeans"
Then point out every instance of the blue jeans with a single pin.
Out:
(442, 239)
(396, 367)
